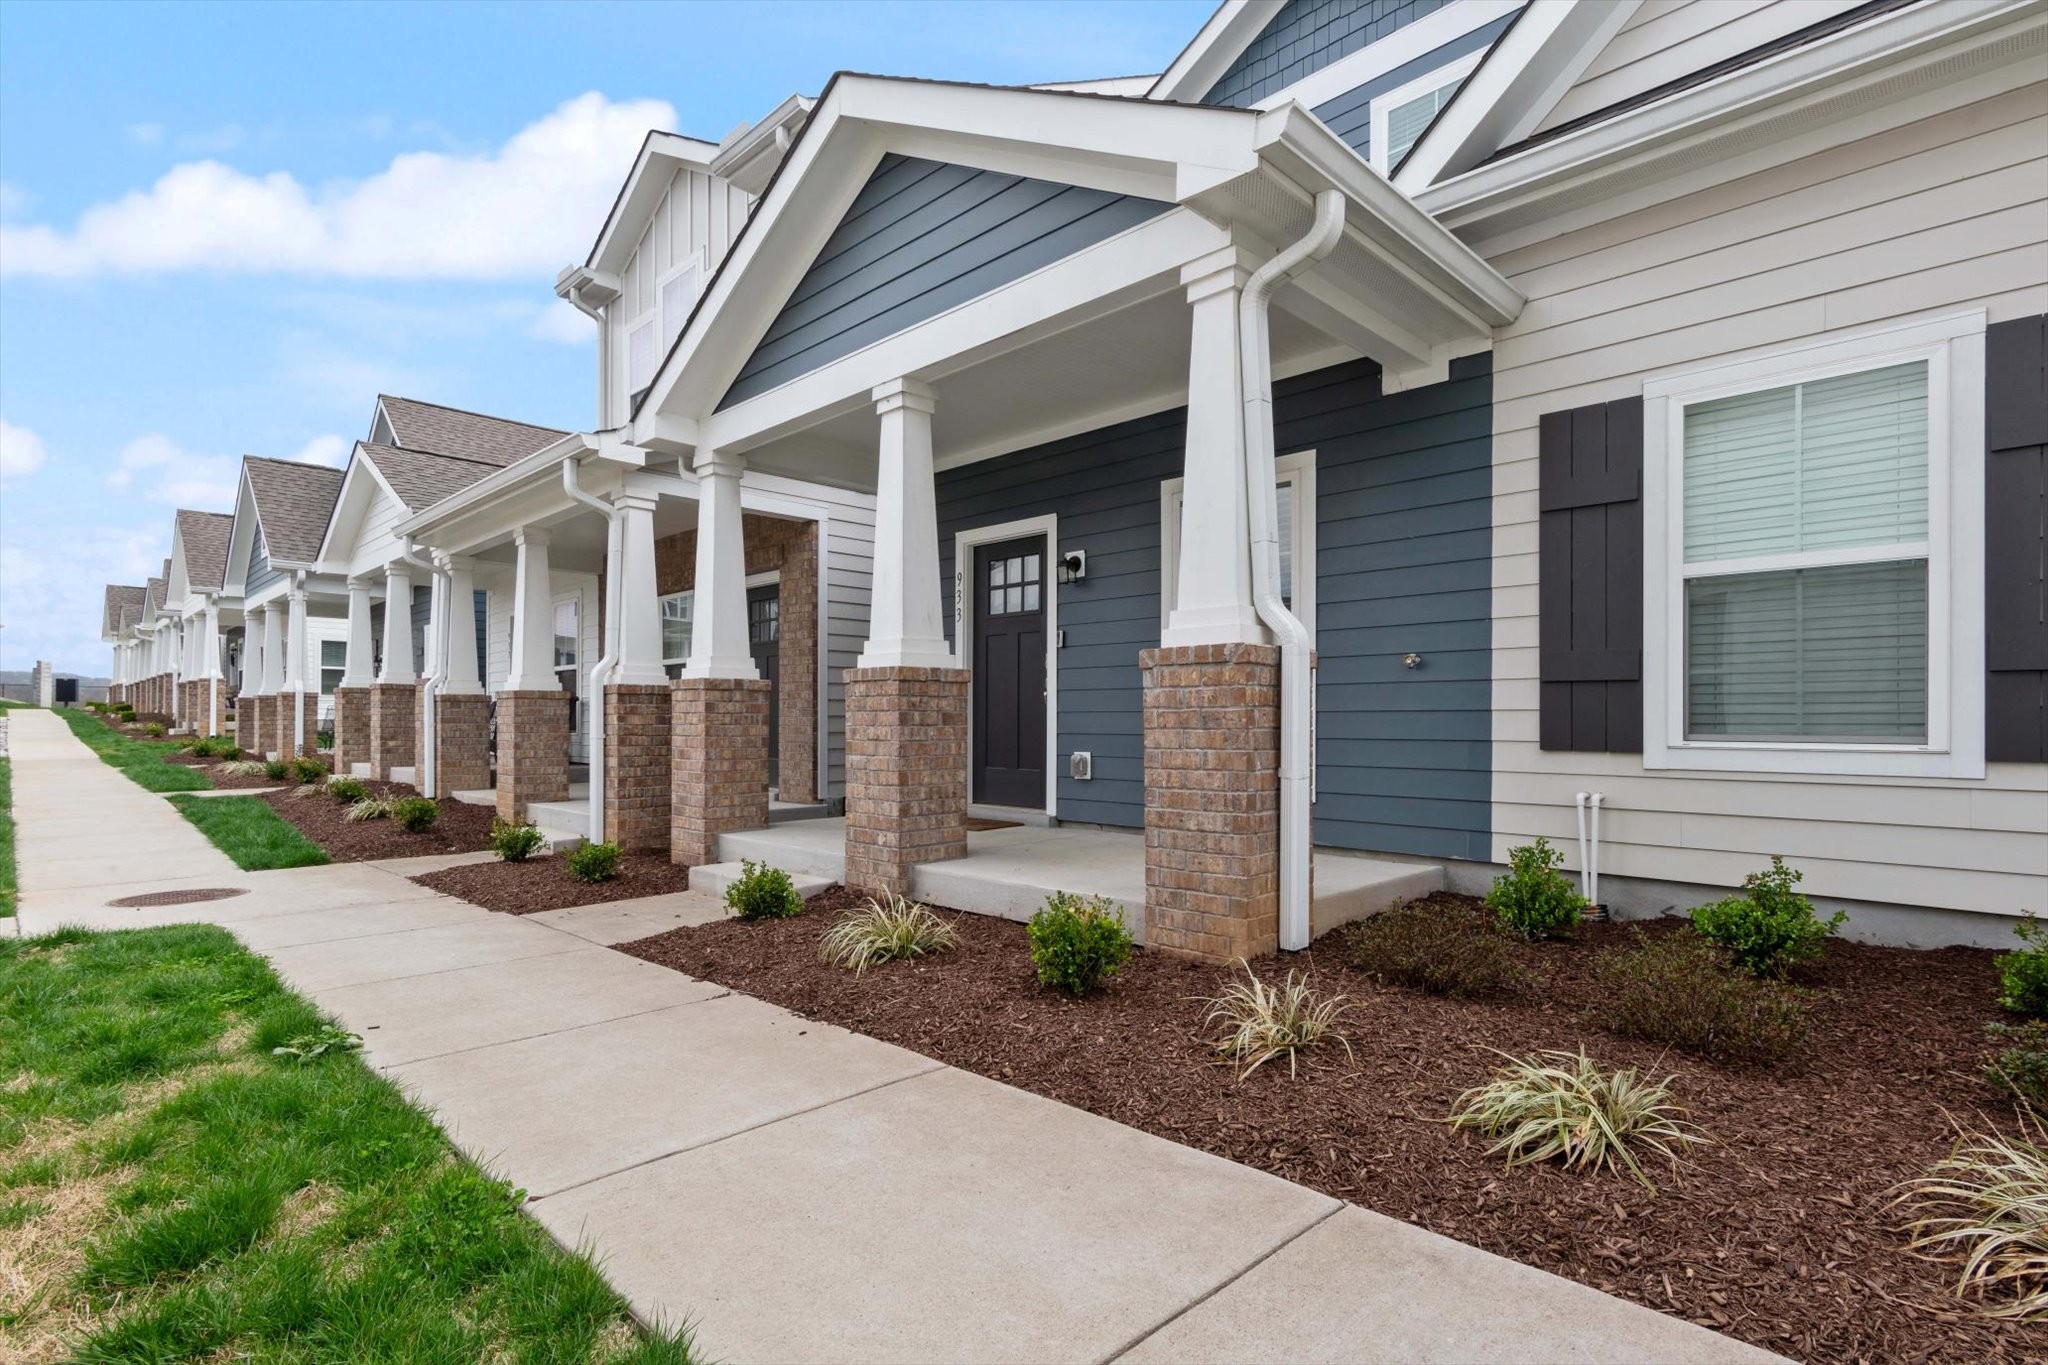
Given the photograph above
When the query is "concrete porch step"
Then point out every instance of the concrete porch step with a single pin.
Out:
(811, 848)
(1351, 888)
(564, 824)
(782, 812)
(475, 796)
(714, 878)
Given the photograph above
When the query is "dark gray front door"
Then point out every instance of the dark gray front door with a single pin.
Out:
(1009, 673)
(764, 640)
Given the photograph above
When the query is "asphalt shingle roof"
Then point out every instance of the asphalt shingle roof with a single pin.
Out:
(205, 538)
(122, 600)
(422, 478)
(293, 502)
(153, 595)
(465, 435)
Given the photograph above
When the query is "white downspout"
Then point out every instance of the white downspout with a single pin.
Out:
(430, 686)
(298, 645)
(1593, 862)
(1297, 683)
(601, 671)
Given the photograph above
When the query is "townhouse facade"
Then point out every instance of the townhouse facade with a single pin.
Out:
(1401, 428)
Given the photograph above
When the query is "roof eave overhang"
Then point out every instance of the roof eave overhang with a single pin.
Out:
(428, 523)
(748, 158)
(1218, 43)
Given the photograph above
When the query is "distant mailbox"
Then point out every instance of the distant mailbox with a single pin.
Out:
(67, 691)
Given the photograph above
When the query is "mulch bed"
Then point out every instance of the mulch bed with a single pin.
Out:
(1778, 1233)
(461, 828)
(544, 883)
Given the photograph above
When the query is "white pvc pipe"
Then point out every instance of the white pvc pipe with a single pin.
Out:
(1594, 865)
(601, 671)
(1297, 683)
(1585, 862)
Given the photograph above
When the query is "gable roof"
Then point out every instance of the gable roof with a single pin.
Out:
(204, 536)
(153, 594)
(293, 501)
(422, 478)
(122, 600)
(466, 435)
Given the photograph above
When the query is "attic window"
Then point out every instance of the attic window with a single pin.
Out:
(678, 296)
(640, 356)
(1401, 116)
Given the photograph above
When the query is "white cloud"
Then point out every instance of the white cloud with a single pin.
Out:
(52, 593)
(14, 199)
(21, 451)
(560, 321)
(524, 208)
(165, 472)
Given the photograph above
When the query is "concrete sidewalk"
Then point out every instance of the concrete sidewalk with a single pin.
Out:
(797, 1191)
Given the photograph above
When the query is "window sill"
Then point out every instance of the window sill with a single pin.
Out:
(1815, 760)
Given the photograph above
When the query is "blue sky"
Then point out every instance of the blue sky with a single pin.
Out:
(225, 228)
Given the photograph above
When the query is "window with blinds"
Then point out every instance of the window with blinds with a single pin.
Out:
(1805, 556)
(1407, 121)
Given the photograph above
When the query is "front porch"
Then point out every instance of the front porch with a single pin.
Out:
(1011, 870)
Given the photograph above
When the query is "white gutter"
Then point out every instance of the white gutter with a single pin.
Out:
(601, 671)
(430, 686)
(1297, 678)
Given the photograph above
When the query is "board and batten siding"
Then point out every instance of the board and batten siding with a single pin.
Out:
(1306, 36)
(1945, 213)
(922, 237)
(1402, 531)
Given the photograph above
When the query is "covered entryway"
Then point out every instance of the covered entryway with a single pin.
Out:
(1009, 672)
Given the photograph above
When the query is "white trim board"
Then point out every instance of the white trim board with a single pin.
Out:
(964, 543)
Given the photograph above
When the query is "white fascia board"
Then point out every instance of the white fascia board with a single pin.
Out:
(425, 524)
(748, 158)
(349, 503)
(661, 155)
(1877, 52)
(1218, 43)
(1521, 80)
(1402, 46)
(240, 533)
(1135, 264)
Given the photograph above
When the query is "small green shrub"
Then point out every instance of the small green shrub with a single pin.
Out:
(762, 892)
(1439, 948)
(1770, 927)
(878, 932)
(191, 745)
(277, 770)
(1676, 990)
(1535, 899)
(306, 770)
(153, 730)
(2020, 1067)
(1077, 942)
(2023, 973)
(595, 862)
(515, 843)
(347, 790)
(227, 750)
(415, 813)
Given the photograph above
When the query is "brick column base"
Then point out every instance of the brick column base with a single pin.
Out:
(213, 701)
(462, 742)
(351, 727)
(249, 724)
(718, 776)
(394, 724)
(639, 756)
(533, 750)
(1212, 800)
(906, 773)
(281, 712)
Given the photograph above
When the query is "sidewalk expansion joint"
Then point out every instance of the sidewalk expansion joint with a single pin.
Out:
(394, 1067)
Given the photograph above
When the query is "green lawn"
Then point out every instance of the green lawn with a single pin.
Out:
(143, 760)
(9, 888)
(250, 832)
(171, 1188)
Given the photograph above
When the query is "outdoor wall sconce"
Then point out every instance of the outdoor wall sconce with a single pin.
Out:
(1411, 661)
(1073, 565)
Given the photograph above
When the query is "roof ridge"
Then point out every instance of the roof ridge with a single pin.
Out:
(465, 412)
(437, 454)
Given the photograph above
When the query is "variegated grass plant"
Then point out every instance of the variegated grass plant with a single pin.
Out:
(885, 931)
(1561, 1105)
(1985, 1205)
(244, 767)
(373, 808)
(1257, 1022)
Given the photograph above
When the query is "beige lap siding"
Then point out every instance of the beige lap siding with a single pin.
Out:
(1943, 214)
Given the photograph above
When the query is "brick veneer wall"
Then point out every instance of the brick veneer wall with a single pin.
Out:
(351, 727)
(906, 772)
(719, 763)
(462, 742)
(249, 724)
(1212, 800)
(639, 759)
(282, 724)
(394, 727)
(533, 750)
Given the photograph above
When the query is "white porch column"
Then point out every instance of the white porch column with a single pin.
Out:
(359, 668)
(1213, 601)
(295, 669)
(639, 657)
(533, 627)
(399, 665)
(464, 674)
(905, 627)
(719, 647)
(273, 648)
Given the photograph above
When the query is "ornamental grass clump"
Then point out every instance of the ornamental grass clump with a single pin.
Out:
(1257, 1021)
(2023, 973)
(372, 808)
(595, 862)
(415, 814)
(882, 931)
(1535, 899)
(515, 843)
(1439, 948)
(1677, 990)
(244, 767)
(1561, 1105)
(1769, 928)
(762, 892)
(1985, 1205)
(1077, 942)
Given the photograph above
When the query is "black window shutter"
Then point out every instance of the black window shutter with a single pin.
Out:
(2016, 541)
(1590, 578)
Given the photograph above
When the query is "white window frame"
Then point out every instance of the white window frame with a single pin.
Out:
(1298, 469)
(1952, 346)
(662, 601)
(1384, 105)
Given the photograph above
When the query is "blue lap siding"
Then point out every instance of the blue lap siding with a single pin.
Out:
(1306, 36)
(1404, 564)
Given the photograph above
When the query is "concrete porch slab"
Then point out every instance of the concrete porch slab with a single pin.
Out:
(624, 921)
(1010, 1202)
(653, 1084)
